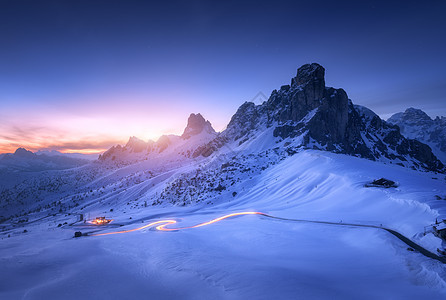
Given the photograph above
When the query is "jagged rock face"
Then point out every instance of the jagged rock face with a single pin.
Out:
(209, 148)
(162, 143)
(416, 124)
(244, 120)
(307, 90)
(111, 153)
(307, 93)
(136, 145)
(329, 124)
(195, 125)
(411, 116)
(327, 120)
(312, 76)
(335, 124)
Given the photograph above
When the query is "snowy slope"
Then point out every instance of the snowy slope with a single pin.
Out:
(248, 256)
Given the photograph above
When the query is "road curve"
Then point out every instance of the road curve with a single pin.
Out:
(162, 226)
(165, 223)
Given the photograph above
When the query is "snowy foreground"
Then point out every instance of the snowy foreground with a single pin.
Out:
(248, 257)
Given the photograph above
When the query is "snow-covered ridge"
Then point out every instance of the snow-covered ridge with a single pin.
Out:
(416, 124)
(172, 147)
(25, 160)
(307, 111)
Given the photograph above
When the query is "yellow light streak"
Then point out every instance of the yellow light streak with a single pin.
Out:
(164, 223)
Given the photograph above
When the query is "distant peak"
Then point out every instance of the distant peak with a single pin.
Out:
(410, 115)
(22, 152)
(195, 125)
(134, 139)
(308, 73)
(417, 111)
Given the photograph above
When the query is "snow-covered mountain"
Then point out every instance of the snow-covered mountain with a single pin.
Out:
(202, 165)
(305, 114)
(168, 147)
(196, 124)
(416, 124)
(71, 155)
(25, 160)
(309, 115)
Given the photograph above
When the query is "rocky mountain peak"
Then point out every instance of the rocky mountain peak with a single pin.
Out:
(307, 96)
(319, 117)
(410, 115)
(135, 144)
(414, 113)
(309, 73)
(195, 125)
(416, 124)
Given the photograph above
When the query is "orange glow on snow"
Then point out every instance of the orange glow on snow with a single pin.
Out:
(101, 221)
(163, 223)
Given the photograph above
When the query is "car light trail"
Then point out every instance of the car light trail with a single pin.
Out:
(136, 229)
(163, 227)
(163, 223)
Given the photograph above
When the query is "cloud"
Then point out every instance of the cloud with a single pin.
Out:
(15, 133)
(44, 138)
(99, 145)
(42, 129)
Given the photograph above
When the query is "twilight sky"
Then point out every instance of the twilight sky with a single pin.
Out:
(82, 75)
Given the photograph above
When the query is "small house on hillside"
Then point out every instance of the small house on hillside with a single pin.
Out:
(440, 230)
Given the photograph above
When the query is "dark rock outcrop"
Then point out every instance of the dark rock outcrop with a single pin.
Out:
(382, 182)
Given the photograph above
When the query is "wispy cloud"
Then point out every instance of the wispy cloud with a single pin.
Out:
(81, 146)
(45, 138)
(89, 128)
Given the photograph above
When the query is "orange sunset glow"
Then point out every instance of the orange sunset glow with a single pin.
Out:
(72, 130)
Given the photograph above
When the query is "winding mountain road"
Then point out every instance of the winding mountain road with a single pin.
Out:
(162, 226)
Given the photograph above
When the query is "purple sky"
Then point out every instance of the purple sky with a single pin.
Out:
(82, 75)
